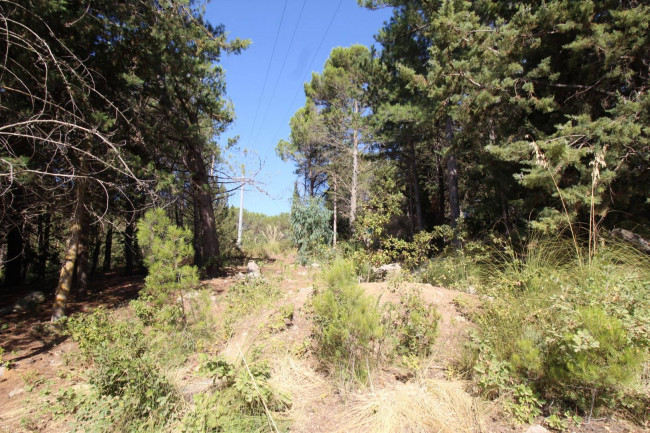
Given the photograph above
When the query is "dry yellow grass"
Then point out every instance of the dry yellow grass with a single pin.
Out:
(413, 407)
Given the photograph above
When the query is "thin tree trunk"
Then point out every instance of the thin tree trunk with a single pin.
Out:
(452, 178)
(335, 201)
(198, 256)
(355, 175)
(128, 246)
(441, 191)
(81, 277)
(14, 258)
(311, 180)
(96, 247)
(43, 242)
(108, 247)
(416, 187)
(72, 251)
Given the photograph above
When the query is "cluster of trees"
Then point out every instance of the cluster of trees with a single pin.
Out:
(510, 114)
(107, 108)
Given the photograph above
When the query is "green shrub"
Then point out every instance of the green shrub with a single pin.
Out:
(348, 328)
(241, 403)
(413, 324)
(576, 333)
(167, 251)
(310, 224)
(593, 353)
(128, 388)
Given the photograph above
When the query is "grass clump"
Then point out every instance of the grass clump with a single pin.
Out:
(565, 331)
(413, 324)
(245, 400)
(246, 297)
(348, 328)
(128, 390)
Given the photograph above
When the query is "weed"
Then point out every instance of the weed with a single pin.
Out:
(31, 379)
(348, 328)
(242, 401)
(413, 324)
(525, 405)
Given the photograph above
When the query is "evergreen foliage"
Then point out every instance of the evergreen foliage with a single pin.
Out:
(168, 251)
(310, 224)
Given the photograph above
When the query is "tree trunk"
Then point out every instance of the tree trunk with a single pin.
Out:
(108, 249)
(96, 247)
(452, 179)
(128, 246)
(441, 191)
(203, 207)
(43, 243)
(72, 251)
(355, 176)
(335, 201)
(416, 187)
(198, 256)
(81, 268)
(14, 259)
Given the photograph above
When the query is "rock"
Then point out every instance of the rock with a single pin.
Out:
(471, 290)
(197, 387)
(632, 238)
(536, 429)
(2, 370)
(253, 270)
(29, 303)
(16, 392)
(386, 270)
(315, 265)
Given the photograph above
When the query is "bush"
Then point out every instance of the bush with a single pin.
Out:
(413, 324)
(129, 389)
(167, 251)
(310, 224)
(348, 328)
(576, 333)
(241, 403)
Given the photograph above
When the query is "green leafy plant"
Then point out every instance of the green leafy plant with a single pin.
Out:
(348, 330)
(310, 224)
(167, 251)
(413, 324)
(525, 405)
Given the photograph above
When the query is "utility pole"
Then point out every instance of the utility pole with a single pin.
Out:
(241, 213)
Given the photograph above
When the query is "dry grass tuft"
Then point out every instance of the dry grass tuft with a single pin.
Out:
(308, 390)
(414, 407)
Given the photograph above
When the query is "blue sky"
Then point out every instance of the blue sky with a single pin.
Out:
(263, 111)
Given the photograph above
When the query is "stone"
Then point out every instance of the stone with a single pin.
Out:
(2, 371)
(29, 303)
(253, 269)
(197, 387)
(16, 392)
(386, 270)
(632, 238)
(315, 265)
(537, 429)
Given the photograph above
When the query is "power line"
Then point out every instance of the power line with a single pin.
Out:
(311, 63)
(268, 69)
(275, 87)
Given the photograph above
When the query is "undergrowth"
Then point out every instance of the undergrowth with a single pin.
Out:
(355, 333)
(562, 331)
